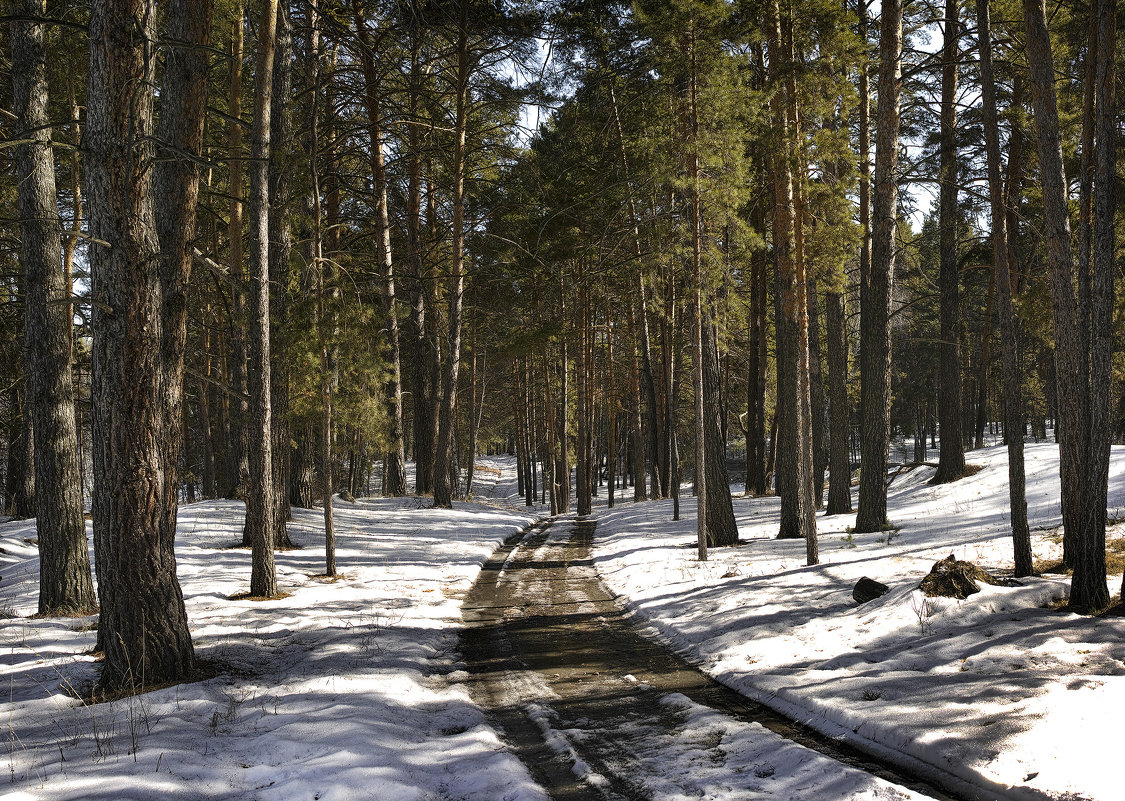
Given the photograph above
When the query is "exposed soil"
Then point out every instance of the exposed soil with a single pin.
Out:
(551, 651)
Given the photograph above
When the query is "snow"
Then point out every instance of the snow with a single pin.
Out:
(353, 689)
(343, 690)
(1000, 695)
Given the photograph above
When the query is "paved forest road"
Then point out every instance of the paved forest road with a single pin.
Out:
(598, 711)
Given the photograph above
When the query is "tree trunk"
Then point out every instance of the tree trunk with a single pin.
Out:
(582, 482)
(20, 476)
(875, 333)
(756, 375)
(394, 464)
(281, 245)
(839, 470)
(951, 457)
(421, 356)
(816, 393)
(637, 439)
(1013, 403)
(1080, 464)
(260, 511)
(183, 110)
(1090, 567)
(239, 466)
(65, 583)
(443, 486)
(143, 624)
(654, 439)
(722, 529)
(794, 430)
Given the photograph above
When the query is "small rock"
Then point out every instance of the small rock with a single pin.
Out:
(868, 590)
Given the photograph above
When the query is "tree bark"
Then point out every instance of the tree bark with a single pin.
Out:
(260, 510)
(443, 485)
(951, 457)
(1013, 404)
(1089, 569)
(794, 434)
(143, 624)
(839, 470)
(722, 530)
(756, 375)
(875, 333)
(422, 355)
(65, 583)
(239, 466)
(281, 245)
(1080, 463)
(394, 465)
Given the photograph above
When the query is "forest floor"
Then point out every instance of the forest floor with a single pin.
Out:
(356, 688)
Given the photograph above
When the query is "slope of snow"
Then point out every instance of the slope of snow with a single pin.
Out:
(1001, 695)
(344, 690)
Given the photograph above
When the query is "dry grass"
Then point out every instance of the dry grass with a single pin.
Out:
(245, 596)
(204, 670)
(85, 611)
(1115, 555)
(1114, 558)
(324, 578)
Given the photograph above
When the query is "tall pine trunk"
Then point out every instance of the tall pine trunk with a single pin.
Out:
(394, 465)
(65, 582)
(951, 457)
(281, 245)
(183, 109)
(143, 624)
(875, 331)
(260, 509)
(1013, 403)
(238, 468)
(1081, 454)
(794, 432)
(444, 456)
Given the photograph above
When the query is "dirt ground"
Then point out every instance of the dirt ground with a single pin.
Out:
(579, 692)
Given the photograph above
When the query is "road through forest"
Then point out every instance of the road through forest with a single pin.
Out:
(598, 710)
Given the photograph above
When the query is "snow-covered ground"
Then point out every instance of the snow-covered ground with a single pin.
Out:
(344, 690)
(1001, 694)
(352, 689)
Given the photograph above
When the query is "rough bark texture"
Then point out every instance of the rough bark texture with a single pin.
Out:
(183, 108)
(1089, 569)
(756, 378)
(443, 462)
(238, 467)
(65, 582)
(951, 458)
(20, 478)
(281, 245)
(816, 393)
(1083, 482)
(420, 349)
(839, 469)
(1013, 404)
(143, 625)
(875, 333)
(794, 435)
(394, 466)
(260, 509)
(721, 526)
